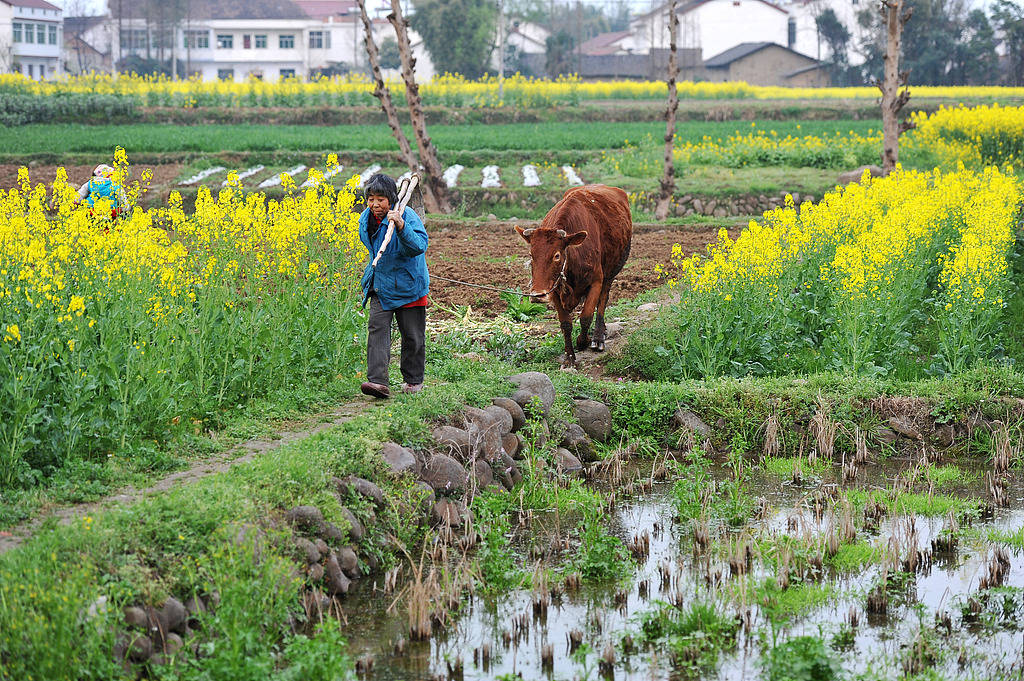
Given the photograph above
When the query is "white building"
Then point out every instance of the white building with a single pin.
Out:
(265, 39)
(88, 44)
(713, 26)
(31, 38)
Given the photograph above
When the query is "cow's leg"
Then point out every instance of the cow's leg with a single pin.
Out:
(599, 329)
(565, 320)
(583, 339)
(587, 313)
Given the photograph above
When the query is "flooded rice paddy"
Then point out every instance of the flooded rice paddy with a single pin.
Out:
(890, 576)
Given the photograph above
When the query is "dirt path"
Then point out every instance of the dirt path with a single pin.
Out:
(241, 453)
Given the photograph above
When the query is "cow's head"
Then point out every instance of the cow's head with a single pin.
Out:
(548, 257)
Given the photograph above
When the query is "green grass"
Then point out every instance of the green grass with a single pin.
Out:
(854, 556)
(783, 466)
(150, 138)
(1012, 539)
(918, 503)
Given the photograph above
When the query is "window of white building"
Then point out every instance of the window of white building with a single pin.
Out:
(225, 41)
(30, 33)
(261, 42)
(41, 34)
(225, 74)
(52, 34)
(134, 39)
(316, 40)
(17, 31)
(286, 42)
(197, 39)
(287, 73)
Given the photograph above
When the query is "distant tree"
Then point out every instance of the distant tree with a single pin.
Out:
(559, 58)
(1008, 16)
(837, 38)
(976, 61)
(458, 34)
(929, 43)
(389, 57)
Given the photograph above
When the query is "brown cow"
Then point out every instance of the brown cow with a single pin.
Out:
(577, 251)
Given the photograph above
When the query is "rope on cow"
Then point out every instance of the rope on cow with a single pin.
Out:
(486, 288)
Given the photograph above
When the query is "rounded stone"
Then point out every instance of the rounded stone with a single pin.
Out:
(486, 441)
(502, 418)
(445, 475)
(567, 461)
(360, 486)
(399, 459)
(305, 517)
(337, 582)
(140, 649)
(136, 617)
(315, 572)
(307, 550)
(450, 512)
(173, 615)
(349, 562)
(512, 444)
(514, 410)
(484, 474)
(356, 531)
(595, 418)
(172, 644)
(577, 442)
(533, 384)
(456, 440)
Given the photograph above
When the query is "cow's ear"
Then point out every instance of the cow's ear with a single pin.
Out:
(525, 233)
(576, 239)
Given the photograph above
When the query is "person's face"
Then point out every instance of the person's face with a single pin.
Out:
(378, 205)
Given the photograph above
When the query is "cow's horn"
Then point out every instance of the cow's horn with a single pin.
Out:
(561, 233)
(528, 232)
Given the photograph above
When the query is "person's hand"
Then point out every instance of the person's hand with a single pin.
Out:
(395, 218)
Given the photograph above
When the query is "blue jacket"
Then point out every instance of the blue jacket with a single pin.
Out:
(103, 188)
(401, 275)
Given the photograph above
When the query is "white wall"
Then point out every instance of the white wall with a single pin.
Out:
(346, 46)
(714, 27)
(38, 60)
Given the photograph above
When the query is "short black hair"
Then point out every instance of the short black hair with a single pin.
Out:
(382, 185)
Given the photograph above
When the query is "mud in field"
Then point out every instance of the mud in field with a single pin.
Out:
(493, 254)
(163, 175)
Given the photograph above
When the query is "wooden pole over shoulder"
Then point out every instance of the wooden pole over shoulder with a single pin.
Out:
(428, 153)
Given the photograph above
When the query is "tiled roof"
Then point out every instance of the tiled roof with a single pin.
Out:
(37, 4)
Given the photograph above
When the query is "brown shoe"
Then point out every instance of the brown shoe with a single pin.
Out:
(375, 390)
(411, 388)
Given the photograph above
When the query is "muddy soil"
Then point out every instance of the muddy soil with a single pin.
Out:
(493, 254)
(162, 174)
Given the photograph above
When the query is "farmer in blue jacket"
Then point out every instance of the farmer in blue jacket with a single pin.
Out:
(102, 189)
(397, 287)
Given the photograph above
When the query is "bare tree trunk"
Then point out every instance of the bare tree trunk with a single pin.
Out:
(668, 179)
(428, 153)
(382, 93)
(893, 100)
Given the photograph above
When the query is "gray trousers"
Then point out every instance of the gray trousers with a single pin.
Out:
(412, 324)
